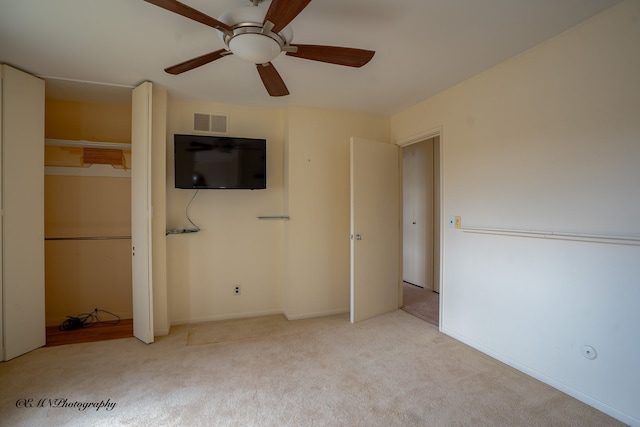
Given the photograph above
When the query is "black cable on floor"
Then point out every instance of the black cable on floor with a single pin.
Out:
(85, 320)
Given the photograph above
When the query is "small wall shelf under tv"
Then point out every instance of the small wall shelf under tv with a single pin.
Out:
(182, 231)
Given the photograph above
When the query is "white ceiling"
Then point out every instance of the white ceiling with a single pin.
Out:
(422, 47)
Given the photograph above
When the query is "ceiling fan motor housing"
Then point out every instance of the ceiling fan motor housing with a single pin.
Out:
(251, 39)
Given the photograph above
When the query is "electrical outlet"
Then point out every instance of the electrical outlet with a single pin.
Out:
(236, 290)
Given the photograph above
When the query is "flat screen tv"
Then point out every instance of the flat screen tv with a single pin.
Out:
(220, 162)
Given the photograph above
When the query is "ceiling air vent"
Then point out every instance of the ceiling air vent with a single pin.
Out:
(211, 123)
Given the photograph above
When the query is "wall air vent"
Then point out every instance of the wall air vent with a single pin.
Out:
(211, 123)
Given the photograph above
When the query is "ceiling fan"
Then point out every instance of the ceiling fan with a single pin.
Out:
(259, 36)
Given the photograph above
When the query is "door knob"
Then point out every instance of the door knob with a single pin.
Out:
(358, 237)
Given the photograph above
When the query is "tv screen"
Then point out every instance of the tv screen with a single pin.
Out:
(220, 162)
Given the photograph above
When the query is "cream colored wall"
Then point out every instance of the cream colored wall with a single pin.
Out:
(83, 275)
(317, 236)
(87, 121)
(548, 140)
(233, 246)
(299, 267)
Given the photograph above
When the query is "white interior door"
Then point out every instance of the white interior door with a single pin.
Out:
(414, 221)
(408, 215)
(375, 229)
(418, 213)
(141, 133)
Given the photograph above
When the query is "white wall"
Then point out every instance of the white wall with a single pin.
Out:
(317, 241)
(549, 140)
(233, 246)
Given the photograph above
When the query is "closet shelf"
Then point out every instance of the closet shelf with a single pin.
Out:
(90, 238)
(87, 144)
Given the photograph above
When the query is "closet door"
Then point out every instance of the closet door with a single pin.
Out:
(141, 212)
(22, 183)
(148, 206)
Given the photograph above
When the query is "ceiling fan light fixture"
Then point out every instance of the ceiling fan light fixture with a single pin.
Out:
(251, 39)
(254, 47)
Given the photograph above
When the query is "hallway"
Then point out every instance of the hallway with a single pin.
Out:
(421, 303)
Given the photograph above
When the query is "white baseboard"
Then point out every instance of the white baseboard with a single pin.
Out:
(161, 332)
(290, 316)
(216, 318)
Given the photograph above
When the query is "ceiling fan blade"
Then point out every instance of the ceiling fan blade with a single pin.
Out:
(196, 62)
(334, 55)
(189, 12)
(272, 80)
(282, 12)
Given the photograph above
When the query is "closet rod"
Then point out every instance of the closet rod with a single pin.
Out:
(90, 238)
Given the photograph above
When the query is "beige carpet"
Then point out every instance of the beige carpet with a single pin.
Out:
(241, 330)
(393, 370)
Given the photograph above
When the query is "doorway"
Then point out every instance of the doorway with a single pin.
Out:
(421, 228)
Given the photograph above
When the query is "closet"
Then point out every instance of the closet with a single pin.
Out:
(87, 202)
(87, 246)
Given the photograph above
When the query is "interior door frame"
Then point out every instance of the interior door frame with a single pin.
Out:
(439, 199)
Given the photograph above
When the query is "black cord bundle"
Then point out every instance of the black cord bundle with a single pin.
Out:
(85, 320)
